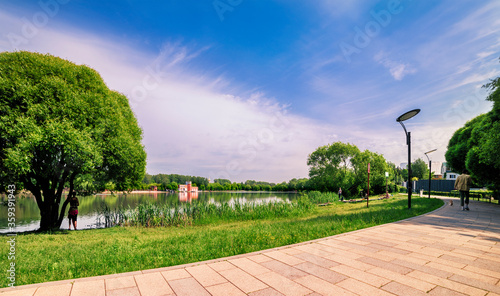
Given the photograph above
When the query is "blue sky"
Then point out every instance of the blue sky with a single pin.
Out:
(244, 89)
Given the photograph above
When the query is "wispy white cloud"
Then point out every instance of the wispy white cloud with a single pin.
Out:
(398, 70)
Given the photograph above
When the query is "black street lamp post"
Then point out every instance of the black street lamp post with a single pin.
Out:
(430, 170)
(400, 119)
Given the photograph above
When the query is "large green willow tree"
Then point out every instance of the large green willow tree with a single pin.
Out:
(60, 123)
(344, 165)
(476, 146)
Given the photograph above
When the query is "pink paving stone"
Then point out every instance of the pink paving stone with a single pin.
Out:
(352, 239)
(205, 275)
(440, 291)
(320, 261)
(152, 284)
(20, 292)
(487, 264)
(188, 287)
(249, 266)
(87, 288)
(475, 283)
(266, 292)
(59, 290)
(259, 258)
(393, 251)
(291, 251)
(124, 292)
(175, 274)
(319, 249)
(426, 269)
(402, 290)
(283, 285)
(222, 265)
(377, 241)
(323, 287)
(243, 280)
(491, 257)
(361, 275)
(361, 288)
(418, 258)
(452, 285)
(446, 263)
(120, 282)
(284, 269)
(226, 289)
(465, 273)
(321, 272)
(350, 262)
(429, 251)
(403, 279)
(385, 265)
(285, 258)
(482, 271)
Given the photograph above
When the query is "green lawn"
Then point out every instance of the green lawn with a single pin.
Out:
(74, 254)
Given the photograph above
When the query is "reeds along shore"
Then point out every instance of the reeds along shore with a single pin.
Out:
(197, 213)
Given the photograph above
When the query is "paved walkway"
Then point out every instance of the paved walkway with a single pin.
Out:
(446, 252)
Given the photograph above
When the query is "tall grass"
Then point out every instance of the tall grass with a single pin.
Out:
(198, 213)
(110, 217)
(317, 197)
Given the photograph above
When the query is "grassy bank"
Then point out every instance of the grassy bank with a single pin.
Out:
(75, 254)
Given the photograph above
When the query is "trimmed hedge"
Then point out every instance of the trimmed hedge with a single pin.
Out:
(479, 194)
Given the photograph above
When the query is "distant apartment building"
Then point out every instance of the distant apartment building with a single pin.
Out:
(446, 170)
(403, 165)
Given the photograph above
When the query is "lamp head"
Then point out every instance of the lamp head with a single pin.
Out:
(430, 151)
(408, 115)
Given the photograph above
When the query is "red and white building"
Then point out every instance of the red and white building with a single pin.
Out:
(188, 187)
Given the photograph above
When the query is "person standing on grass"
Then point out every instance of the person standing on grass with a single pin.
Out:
(73, 210)
(341, 198)
(462, 184)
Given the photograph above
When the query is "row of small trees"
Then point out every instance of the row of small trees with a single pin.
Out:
(171, 182)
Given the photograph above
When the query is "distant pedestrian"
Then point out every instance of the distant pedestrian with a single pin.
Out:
(341, 198)
(73, 210)
(462, 184)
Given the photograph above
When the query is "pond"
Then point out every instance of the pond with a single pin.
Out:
(28, 214)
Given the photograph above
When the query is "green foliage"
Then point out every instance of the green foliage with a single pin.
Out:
(330, 167)
(317, 197)
(378, 167)
(344, 165)
(475, 146)
(59, 125)
(419, 169)
(459, 144)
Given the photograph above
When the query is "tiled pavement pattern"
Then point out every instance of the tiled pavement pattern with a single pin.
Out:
(446, 252)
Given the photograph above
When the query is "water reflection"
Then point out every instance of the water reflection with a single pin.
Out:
(187, 196)
(28, 214)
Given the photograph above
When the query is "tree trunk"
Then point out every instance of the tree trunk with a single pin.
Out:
(49, 217)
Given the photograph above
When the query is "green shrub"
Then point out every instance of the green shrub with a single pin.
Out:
(317, 197)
